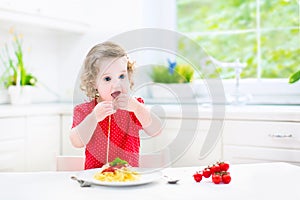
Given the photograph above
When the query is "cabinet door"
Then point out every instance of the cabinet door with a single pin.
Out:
(43, 142)
(261, 141)
(59, 15)
(12, 141)
(12, 128)
(183, 140)
(245, 154)
(191, 155)
(67, 148)
(12, 155)
(262, 133)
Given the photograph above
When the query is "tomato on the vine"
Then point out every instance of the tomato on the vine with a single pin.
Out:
(224, 166)
(226, 178)
(216, 178)
(197, 177)
(206, 172)
(218, 172)
(215, 168)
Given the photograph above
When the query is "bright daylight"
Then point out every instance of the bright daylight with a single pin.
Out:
(149, 99)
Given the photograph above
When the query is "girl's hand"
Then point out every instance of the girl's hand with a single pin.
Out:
(125, 102)
(103, 109)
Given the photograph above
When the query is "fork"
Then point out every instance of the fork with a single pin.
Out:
(81, 182)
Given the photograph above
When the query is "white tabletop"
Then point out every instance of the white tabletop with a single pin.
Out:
(249, 181)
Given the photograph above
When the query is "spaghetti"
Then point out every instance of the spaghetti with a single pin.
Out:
(117, 171)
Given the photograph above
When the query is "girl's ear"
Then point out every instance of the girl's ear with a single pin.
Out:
(97, 95)
(130, 68)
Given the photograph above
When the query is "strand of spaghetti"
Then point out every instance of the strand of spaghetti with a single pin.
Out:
(108, 138)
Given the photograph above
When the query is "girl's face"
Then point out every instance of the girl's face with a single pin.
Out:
(112, 79)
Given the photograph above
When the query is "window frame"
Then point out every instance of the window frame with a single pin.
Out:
(262, 90)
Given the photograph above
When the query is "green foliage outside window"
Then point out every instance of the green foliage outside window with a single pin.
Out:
(227, 30)
(181, 73)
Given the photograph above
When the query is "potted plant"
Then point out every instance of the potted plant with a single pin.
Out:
(4, 97)
(15, 76)
(172, 81)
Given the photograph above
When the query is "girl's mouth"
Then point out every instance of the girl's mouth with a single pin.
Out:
(115, 94)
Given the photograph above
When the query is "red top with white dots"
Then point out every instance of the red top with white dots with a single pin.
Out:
(124, 136)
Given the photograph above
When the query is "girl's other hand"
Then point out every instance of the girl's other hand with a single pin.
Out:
(125, 102)
(103, 109)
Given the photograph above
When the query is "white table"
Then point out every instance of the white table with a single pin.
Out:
(249, 181)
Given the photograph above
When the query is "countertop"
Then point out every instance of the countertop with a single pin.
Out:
(8, 110)
(289, 113)
(249, 181)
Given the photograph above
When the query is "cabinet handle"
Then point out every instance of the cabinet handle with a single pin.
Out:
(278, 135)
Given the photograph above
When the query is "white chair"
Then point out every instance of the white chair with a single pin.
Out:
(148, 160)
(70, 163)
(155, 160)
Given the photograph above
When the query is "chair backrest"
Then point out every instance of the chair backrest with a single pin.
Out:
(159, 159)
(69, 163)
(148, 160)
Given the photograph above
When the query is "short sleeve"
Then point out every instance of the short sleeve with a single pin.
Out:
(79, 113)
(77, 116)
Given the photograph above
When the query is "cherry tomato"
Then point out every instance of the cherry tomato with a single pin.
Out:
(216, 178)
(224, 166)
(206, 172)
(226, 178)
(197, 177)
(215, 168)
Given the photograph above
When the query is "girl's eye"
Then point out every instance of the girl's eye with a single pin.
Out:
(107, 79)
(122, 76)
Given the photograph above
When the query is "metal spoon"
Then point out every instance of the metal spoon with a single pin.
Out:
(82, 183)
(170, 180)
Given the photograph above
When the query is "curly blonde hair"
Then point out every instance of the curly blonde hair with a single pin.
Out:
(100, 52)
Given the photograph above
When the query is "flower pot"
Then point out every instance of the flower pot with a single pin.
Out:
(20, 95)
(4, 97)
(172, 91)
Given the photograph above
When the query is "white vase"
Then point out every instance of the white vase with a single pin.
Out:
(4, 97)
(172, 91)
(20, 95)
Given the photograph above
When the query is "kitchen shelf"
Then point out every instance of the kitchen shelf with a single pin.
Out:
(40, 20)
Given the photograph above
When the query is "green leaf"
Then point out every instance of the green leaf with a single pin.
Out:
(117, 161)
(294, 77)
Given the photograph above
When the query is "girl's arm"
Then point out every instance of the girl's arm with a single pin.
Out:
(81, 134)
(150, 122)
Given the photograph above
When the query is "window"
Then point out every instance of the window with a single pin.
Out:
(262, 33)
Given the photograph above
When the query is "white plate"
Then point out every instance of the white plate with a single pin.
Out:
(147, 176)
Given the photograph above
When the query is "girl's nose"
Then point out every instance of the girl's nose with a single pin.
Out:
(116, 83)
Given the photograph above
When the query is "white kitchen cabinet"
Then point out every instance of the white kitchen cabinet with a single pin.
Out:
(12, 144)
(29, 142)
(183, 140)
(12, 155)
(261, 141)
(42, 142)
(51, 14)
(67, 148)
(32, 136)
(191, 155)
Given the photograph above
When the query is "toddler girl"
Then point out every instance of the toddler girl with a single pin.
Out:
(108, 125)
